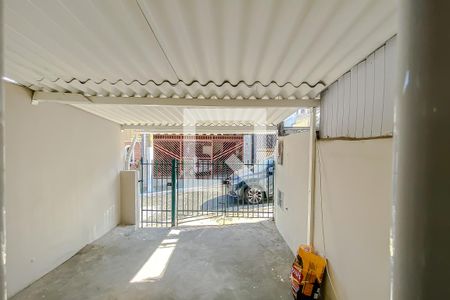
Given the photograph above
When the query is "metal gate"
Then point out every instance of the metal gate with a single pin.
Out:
(176, 191)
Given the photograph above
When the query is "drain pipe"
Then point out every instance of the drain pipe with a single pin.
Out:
(420, 242)
(312, 176)
(2, 170)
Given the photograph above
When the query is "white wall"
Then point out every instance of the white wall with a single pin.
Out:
(129, 207)
(62, 184)
(354, 183)
(292, 179)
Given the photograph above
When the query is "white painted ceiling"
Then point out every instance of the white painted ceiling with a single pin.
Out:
(189, 48)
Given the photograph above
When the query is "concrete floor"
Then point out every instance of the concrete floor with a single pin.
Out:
(242, 261)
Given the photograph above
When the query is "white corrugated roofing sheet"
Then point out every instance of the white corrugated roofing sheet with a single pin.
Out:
(191, 48)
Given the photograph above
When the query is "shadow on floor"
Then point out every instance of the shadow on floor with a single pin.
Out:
(242, 261)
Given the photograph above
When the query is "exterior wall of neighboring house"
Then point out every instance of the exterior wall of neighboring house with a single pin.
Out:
(353, 203)
(214, 148)
(248, 149)
(264, 146)
(136, 155)
(62, 184)
(127, 137)
(291, 189)
(210, 148)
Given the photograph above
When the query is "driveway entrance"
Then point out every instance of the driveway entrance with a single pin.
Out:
(172, 192)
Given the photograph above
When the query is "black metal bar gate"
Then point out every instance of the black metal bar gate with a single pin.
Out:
(174, 191)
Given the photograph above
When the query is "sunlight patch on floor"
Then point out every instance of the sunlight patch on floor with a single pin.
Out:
(217, 221)
(154, 268)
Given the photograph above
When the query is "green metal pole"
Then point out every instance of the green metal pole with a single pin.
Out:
(174, 190)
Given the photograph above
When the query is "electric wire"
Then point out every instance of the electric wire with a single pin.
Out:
(322, 222)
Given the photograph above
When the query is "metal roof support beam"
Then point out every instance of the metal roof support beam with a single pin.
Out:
(203, 129)
(64, 98)
(70, 98)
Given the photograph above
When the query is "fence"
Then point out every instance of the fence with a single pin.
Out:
(173, 191)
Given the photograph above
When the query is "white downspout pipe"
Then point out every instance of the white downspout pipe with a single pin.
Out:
(312, 176)
(420, 241)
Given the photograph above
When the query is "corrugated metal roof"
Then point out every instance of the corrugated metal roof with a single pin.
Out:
(228, 48)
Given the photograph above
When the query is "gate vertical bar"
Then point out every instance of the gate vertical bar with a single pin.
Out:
(225, 202)
(420, 242)
(158, 192)
(174, 191)
(141, 181)
(148, 188)
(267, 170)
(151, 170)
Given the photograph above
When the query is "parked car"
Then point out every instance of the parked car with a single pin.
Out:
(252, 183)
